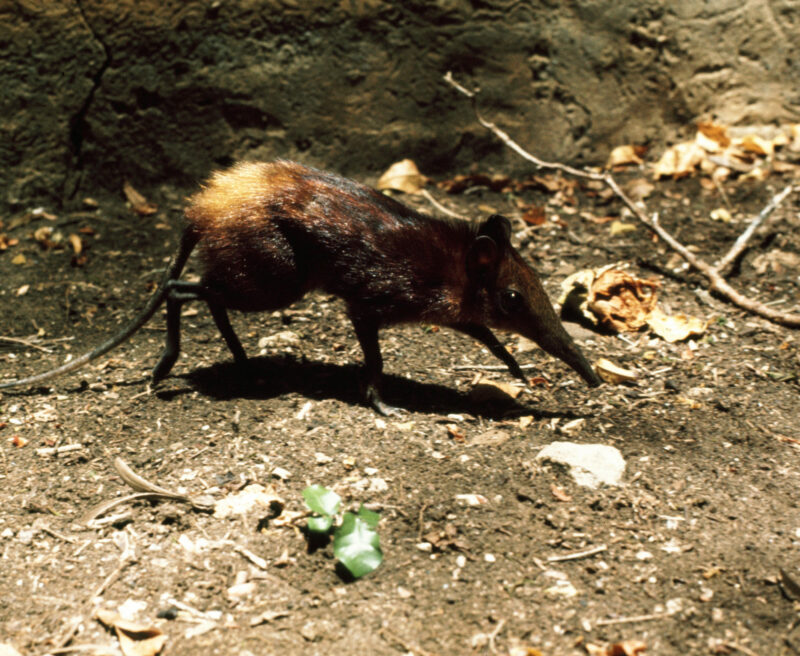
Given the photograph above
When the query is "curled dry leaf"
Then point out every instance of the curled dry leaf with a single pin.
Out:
(624, 648)
(620, 227)
(712, 136)
(609, 297)
(721, 214)
(402, 176)
(614, 374)
(621, 301)
(138, 202)
(623, 155)
(534, 215)
(491, 392)
(794, 137)
(676, 327)
(679, 160)
(76, 243)
(752, 143)
(134, 639)
(559, 494)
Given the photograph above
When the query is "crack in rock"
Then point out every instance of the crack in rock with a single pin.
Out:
(77, 123)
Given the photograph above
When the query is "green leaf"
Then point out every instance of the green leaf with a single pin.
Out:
(369, 516)
(357, 545)
(320, 523)
(322, 500)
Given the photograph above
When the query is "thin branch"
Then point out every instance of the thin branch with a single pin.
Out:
(578, 554)
(633, 618)
(24, 342)
(717, 282)
(755, 224)
(448, 212)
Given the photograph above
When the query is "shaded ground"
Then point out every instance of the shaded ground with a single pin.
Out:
(694, 540)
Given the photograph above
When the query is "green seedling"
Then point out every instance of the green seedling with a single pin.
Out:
(356, 544)
(325, 503)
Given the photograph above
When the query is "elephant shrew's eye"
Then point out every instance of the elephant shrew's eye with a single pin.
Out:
(510, 301)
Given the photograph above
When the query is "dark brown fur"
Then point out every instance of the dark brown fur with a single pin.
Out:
(269, 233)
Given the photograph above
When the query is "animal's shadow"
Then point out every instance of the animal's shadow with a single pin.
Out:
(270, 377)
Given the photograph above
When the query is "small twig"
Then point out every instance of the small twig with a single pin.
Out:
(717, 282)
(58, 450)
(633, 618)
(736, 647)
(144, 490)
(493, 636)
(258, 561)
(429, 197)
(24, 342)
(578, 554)
(95, 649)
(421, 521)
(755, 224)
(58, 535)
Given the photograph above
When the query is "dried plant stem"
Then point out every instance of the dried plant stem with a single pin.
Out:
(755, 224)
(713, 274)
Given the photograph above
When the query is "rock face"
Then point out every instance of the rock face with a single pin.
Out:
(94, 92)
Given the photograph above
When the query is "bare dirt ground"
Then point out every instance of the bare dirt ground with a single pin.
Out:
(694, 540)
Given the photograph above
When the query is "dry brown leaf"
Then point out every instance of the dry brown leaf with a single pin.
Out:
(558, 493)
(534, 215)
(134, 639)
(794, 135)
(713, 136)
(721, 214)
(621, 301)
(786, 168)
(139, 203)
(620, 227)
(19, 259)
(623, 155)
(757, 173)
(402, 176)
(489, 392)
(676, 327)
(752, 143)
(679, 160)
(575, 293)
(627, 648)
(614, 374)
(455, 432)
(76, 243)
